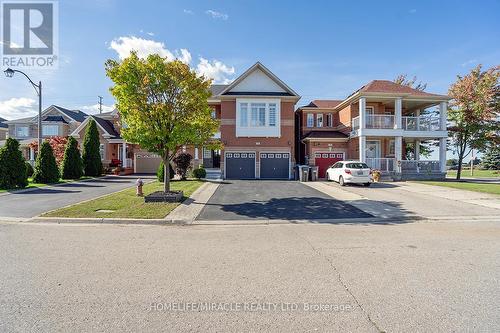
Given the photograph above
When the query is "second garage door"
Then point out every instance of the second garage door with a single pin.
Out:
(239, 165)
(324, 160)
(146, 162)
(274, 165)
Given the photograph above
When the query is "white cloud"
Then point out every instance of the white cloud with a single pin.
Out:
(217, 15)
(144, 47)
(215, 70)
(188, 11)
(94, 109)
(18, 108)
(150, 34)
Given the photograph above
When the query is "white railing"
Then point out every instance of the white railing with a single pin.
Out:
(383, 164)
(422, 123)
(380, 121)
(412, 166)
(355, 123)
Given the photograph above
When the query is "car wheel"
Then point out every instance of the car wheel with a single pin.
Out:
(341, 181)
(367, 184)
(328, 178)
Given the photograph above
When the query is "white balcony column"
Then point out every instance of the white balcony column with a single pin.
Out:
(124, 155)
(362, 148)
(442, 154)
(417, 150)
(398, 113)
(32, 154)
(443, 114)
(398, 147)
(362, 113)
(196, 154)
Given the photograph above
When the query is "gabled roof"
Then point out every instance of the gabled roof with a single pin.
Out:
(258, 66)
(386, 86)
(324, 103)
(55, 118)
(105, 125)
(75, 115)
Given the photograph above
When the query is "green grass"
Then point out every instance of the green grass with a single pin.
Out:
(125, 204)
(476, 187)
(36, 185)
(477, 173)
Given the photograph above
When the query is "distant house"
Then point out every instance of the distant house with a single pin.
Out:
(4, 128)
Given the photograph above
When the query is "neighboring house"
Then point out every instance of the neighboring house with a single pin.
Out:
(4, 129)
(56, 121)
(373, 125)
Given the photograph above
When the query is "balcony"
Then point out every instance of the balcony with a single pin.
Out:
(421, 123)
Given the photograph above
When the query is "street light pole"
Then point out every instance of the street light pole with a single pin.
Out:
(38, 88)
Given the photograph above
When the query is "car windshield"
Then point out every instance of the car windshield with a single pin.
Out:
(357, 166)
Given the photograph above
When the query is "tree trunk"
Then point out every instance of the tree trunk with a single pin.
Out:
(166, 174)
(460, 159)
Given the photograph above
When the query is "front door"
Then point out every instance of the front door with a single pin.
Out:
(216, 159)
(372, 149)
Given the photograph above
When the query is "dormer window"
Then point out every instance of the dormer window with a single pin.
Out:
(329, 120)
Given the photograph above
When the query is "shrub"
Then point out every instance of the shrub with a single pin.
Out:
(46, 170)
(12, 166)
(72, 165)
(91, 156)
(491, 159)
(182, 163)
(161, 172)
(200, 172)
(29, 169)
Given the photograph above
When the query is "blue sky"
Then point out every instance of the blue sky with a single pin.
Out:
(322, 49)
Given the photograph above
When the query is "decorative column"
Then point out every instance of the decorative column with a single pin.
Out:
(417, 150)
(398, 112)
(442, 154)
(362, 149)
(124, 155)
(398, 147)
(443, 115)
(362, 126)
(32, 154)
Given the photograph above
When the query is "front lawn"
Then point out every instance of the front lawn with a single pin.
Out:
(477, 173)
(35, 185)
(476, 187)
(125, 204)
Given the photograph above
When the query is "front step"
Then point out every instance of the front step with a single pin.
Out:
(213, 174)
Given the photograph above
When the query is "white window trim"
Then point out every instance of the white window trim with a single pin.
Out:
(22, 126)
(50, 125)
(318, 122)
(329, 120)
(258, 131)
(310, 116)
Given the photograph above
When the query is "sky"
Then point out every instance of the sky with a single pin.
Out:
(322, 49)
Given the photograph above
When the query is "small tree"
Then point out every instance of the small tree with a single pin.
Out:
(182, 163)
(29, 169)
(160, 173)
(91, 155)
(12, 166)
(46, 170)
(72, 165)
(164, 104)
(491, 159)
(474, 112)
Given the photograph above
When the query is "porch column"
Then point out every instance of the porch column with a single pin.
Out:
(196, 154)
(417, 150)
(32, 154)
(398, 147)
(442, 154)
(362, 113)
(124, 155)
(362, 148)
(398, 112)
(443, 114)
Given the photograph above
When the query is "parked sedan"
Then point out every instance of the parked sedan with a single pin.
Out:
(345, 172)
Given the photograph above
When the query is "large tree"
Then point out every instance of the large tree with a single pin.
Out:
(474, 112)
(72, 165)
(425, 146)
(163, 103)
(91, 155)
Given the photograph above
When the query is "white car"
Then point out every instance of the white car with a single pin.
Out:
(345, 172)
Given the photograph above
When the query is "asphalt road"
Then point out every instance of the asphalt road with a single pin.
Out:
(422, 276)
(33, 203)
(282, 200)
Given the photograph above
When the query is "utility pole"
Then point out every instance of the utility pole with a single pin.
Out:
(100, 104)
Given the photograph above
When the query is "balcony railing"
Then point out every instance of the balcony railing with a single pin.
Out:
(422, 123)
(412, 166)
(383, 121)
(383, 164)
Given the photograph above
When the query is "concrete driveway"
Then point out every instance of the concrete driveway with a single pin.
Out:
(34, 202)
(274, 200)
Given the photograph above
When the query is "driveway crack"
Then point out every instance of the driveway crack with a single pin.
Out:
(341, 280)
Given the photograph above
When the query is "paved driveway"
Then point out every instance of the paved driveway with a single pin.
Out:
(33, 203)
(246, 200)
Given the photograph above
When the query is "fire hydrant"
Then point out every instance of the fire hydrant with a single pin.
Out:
(138, 185)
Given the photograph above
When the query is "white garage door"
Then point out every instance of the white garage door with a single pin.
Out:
(146, 162)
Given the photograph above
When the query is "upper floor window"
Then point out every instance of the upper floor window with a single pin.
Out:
(258, 117)
(244, 114)
(22, 131)
(213, 114)
(329, 120)
(370, 110)
(272, 114)
(50, 130)
(310, 120)
(319, 120)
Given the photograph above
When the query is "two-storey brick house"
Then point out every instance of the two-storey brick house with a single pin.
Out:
(374, 125)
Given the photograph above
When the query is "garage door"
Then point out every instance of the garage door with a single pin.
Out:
(146, 162)
(274, 165)
(240, 165)
(324, 160)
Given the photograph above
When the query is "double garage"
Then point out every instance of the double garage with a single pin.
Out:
(243, 165)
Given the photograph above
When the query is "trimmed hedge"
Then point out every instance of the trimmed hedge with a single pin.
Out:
(200, 172)
(46, 170)
(72, 165)
(12, 166)
(160, 173)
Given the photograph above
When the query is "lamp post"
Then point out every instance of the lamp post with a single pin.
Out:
(38, 88)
